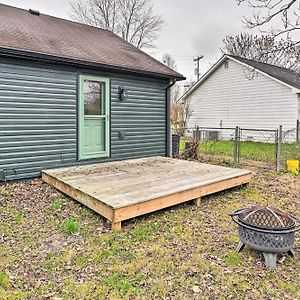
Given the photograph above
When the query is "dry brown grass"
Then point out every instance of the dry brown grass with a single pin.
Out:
(184, 252)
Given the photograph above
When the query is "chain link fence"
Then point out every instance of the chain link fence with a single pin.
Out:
(258, 145)
(238, 145)
(290, 147)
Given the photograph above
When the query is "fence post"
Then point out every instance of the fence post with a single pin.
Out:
(198, 135)
(278, 148)
(237, 146)
(298, 131)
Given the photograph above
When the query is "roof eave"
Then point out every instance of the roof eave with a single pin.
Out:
(42, 57)
(296, 91)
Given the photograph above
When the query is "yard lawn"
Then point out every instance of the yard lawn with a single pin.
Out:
(249, 150)
(54, 248)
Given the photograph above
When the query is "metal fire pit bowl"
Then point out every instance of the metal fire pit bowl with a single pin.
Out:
(266, 229)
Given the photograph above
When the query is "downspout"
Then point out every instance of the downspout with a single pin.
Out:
(168, 119)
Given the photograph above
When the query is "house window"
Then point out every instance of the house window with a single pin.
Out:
(93, 97)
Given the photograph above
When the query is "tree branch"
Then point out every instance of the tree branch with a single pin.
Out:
(133, 20)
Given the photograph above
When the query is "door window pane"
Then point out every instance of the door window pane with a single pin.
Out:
(93, 97)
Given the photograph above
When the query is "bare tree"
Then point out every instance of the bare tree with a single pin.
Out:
(180, 114)
(189, 83)
(169, 61)
(265, 48)
(133, 20)
(273, 12)
(180, 109)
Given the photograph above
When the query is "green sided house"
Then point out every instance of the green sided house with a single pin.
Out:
(74, 94)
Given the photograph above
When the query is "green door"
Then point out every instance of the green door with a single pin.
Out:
(93, 117)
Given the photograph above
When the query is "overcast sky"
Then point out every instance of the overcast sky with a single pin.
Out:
(192, 27)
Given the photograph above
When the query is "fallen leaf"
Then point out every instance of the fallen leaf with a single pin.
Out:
(196, 289)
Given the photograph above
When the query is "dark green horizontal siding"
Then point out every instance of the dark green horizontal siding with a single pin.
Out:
(142, 116)
(38, 113)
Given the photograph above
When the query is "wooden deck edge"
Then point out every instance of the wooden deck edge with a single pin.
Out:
(128, 212)
(225, 184)
(87, 200)
(225, 178)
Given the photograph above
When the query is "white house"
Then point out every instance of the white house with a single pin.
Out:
(245, 93)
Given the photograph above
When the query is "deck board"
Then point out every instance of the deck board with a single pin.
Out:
(130, 188)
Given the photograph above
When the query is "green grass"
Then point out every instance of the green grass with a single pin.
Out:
(19, 217)
(70, 226)
(258, 151)
(216, 147)
(57, 204)
(250, 150)
(4, 280)
(119, 282)
(233, 259)
(291, 151)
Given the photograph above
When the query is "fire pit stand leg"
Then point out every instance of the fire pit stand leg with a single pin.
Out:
(240, 247)
(291, 252)
(270, 259)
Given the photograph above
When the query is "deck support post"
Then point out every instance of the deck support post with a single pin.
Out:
(197, 201)
(116, 226)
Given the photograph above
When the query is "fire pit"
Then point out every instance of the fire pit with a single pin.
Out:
(266, 229)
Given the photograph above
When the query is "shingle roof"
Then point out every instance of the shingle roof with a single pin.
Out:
(47, 35)
(290, 77)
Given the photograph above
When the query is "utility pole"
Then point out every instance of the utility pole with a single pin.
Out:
(197, 59)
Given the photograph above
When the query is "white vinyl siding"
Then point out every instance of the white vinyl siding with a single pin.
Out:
(237, 97)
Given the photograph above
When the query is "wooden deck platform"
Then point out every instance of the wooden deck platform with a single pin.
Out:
(125, 189)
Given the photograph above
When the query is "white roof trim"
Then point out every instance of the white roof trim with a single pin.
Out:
(219, 63)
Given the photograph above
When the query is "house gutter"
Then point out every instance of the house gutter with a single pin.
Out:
(168, 119)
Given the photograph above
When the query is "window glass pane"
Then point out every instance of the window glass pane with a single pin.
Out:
(93, 97)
